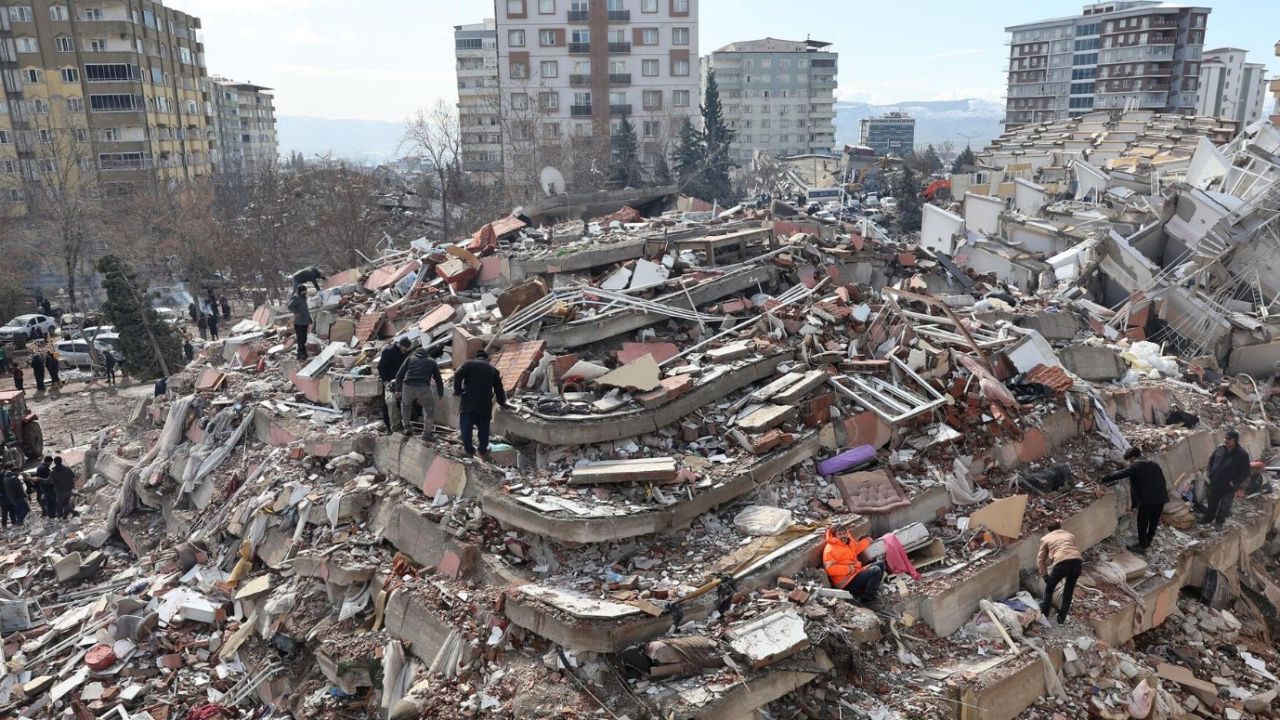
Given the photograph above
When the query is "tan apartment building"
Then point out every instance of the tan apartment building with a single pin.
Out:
(1126, 54)
(778, 96)
(245, 121)
(113, 87)
(570, 70)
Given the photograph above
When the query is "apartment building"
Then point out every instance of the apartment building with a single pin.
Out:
(1135, 54)
(1230, 87)
(111, 87)
(778, 96)
(893, 133)
(245, 121)
(476, 50)
(570, 70)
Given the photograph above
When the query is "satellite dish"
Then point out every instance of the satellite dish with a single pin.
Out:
(551, 180)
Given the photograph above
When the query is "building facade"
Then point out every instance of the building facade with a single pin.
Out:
(114, 89)
(568, 71)
(476, 51)
(245, 121)
(893, 133)
(1231, 88)
(1135, 54)
(778, 96)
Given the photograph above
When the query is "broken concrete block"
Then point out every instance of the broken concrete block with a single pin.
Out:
(660, 469)
(437, 317)
(731, 352)
(769, 638)
(668, 389)
(660, 351)
(640, 374)
(1093, 362)
(517, 297)
(67, 567)
(762, 520)
(765, 418)
(457, 273)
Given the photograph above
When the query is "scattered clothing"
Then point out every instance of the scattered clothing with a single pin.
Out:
(896, 557)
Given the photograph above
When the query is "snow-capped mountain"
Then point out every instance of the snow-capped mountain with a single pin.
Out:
(936, 120)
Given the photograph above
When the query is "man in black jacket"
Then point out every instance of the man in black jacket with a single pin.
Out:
(1148, 493)
(64, 485)
(1228, 471)
(44, 487)
(393, 356)
(37, 369)
(413, 382)
(301, 318)
(15, 497)
(477, 382)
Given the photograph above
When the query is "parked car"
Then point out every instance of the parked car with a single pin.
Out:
(889, 205)
(75, 353)
(90, 333)
(109, 342)
(27, 327)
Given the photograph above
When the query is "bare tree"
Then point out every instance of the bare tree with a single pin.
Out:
(337, 212)
(436, 135)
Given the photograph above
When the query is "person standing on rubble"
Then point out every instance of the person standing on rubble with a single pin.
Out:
(1059, 561)
(213, 324)
(389, 362)
(15, 498)
(44, 487)
(1148, 493)
(413, 383)
(477, 382)
(188, 349)
(51, 364)
(301, 318)
(109, 363)
(202, 325)
(844, 569)
(63, 479)
(18, 375)
(37, 369)
(1228, 472)
(226, 307)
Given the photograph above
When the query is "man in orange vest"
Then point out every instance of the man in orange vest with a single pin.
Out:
(846, 572)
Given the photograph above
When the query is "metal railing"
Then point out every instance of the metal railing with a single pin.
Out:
(579, 48)
(579, 80)
(619, 78)
(579, 110)
(619, 47)
(619, 16)
(619, 109)
(578, 16)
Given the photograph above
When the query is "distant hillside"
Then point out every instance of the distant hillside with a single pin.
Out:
(936, 121)
(366, 141)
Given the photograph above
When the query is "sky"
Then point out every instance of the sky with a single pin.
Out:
(385, 59)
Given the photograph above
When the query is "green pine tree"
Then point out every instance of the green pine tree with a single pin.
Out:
(717, 138)
(688, 158)
(661, 171)
(151, 347)
(965, 161)
(932, 162)
(907, 192)
(624, 166)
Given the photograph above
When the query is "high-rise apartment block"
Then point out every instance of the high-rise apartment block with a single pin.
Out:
(1231, 88)
(567, 72)
(114, 87)
(476, 47)
(777, 95)
(893, 133)
(1135, 54)
(245, 117)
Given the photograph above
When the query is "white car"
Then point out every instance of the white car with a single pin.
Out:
(93, 331)
(75, 353)
(28, 327)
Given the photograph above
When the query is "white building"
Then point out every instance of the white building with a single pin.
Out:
(778, 96)
(1231, 88)
(476, 50)
(245, 121)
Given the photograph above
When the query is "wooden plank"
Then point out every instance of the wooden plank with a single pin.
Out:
(660, 469)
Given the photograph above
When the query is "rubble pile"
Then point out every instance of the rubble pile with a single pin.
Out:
(696, 399)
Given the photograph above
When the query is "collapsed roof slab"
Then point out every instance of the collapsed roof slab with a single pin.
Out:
(592, 429)
(588, 259)
(745, 693)
(736, 242)
(578, 205)
(614, 323)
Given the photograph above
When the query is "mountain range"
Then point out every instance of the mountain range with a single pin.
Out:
(971, 121)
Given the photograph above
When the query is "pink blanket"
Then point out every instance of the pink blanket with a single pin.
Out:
(896, 557)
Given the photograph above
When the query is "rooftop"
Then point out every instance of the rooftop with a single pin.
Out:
(774, 45)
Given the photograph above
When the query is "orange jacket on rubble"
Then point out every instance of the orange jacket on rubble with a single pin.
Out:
(840, 558)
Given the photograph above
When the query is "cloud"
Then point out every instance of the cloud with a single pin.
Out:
(959, 52)
(300, 35)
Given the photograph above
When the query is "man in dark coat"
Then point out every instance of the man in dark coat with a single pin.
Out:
(109, 361)
(1228, 471)
(18, 375)
(64, 485)
(51, 364)
(1148, 492)
(413, 383)
(477, 382)
(301, 318)
(389, 362)
(311, 275)
(15, 497)
(44, 487)
(226, 307)
(37, 369)
(213, 324)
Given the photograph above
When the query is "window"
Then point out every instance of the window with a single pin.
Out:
(679, 36)
(547, 38)
(157, 76)
(58, 12)
(82, 135)
(185, 55)
(70, 75)
(549, 101)
(649, 36)
(117, 103)
(21, 13)
(5, 138)
(679, 6)
(546, 7)
(649, 6)
(582, 99)
(65, 44)
(111, 135)
(468, 44)
(97, 46)
(1084, 73)
(1084, 88)
(519, 101)
(577, 6)
(550, 69)
(515, 38)
(47, 165)
(652, 99)
(1085, 59)
(617, 98)
(580, 37)
(93, 14)
(1087, 44)
(32, 76)
(680, 98)
(27, 45)
(45, 136)
(515, 7)
(617, 67)
(680, 68)
(652, 128)
(649, 67)
(551, 131)
(8, 167)
(519, 71)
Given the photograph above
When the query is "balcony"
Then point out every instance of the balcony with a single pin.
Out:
(579, 111)
(619, 48)
(619, 16)
(619, 78)
(578, 16)
(579, 48)
(579, 80)
(619, 109)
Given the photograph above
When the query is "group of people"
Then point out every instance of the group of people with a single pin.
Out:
(1059, 560)
(53, 484)
(408, 376)
(42, 362)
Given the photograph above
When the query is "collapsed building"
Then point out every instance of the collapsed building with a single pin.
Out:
(697, 396)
